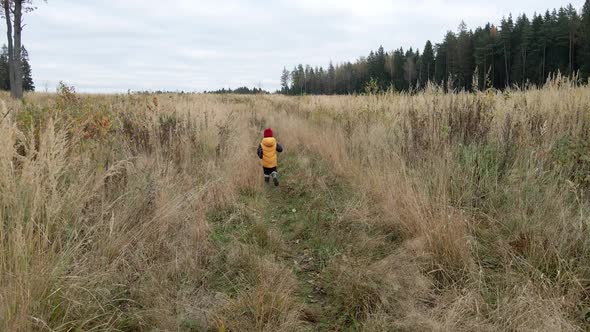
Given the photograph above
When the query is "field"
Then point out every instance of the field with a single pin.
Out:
(430, 211)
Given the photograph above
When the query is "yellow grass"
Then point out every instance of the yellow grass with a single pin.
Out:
(417, 212)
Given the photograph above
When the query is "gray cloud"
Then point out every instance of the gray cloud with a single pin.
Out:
(115, 45)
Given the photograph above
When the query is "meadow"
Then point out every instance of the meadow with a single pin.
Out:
(425, 211)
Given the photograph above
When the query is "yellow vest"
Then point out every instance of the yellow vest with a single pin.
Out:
(269, 152)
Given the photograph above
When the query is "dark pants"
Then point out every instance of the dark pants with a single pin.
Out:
(271, 172)
(268, 171)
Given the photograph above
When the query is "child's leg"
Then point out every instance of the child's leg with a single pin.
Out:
(266, 173)
(275, 176)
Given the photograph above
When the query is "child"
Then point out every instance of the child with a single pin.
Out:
(268, 152)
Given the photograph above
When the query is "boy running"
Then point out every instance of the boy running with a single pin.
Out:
(268, 151)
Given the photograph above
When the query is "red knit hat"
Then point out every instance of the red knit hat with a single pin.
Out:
(267, 132)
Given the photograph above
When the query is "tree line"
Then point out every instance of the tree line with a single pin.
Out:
(515, 53)
(241, 90)
(27, 78)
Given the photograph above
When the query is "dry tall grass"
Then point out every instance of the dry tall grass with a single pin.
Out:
(465, 211)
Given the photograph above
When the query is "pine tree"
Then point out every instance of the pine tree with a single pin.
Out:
(4, 70)
(528, 51)
(379, 69)
(520, 45)
(505, 46)
(564, 33)
(584, 54)
(464, 56)
(331, 78)
(449, 67)
(399, 63)
(28, 84)
(428, 63)
(537, 50)
(573, 27)
(410, 69)
(550, 60)
(440, 63)
(285, 81)
(482, 54)
(321, 81)
(297, 80)
(307, 79)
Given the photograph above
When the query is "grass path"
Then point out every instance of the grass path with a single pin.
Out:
(306, 226)
(305, 216)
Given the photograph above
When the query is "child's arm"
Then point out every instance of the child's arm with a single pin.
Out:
(279, 147)
(259, 151)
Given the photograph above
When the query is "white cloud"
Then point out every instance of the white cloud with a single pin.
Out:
(115, 45)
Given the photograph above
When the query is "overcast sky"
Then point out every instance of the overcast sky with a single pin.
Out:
(193, 45)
